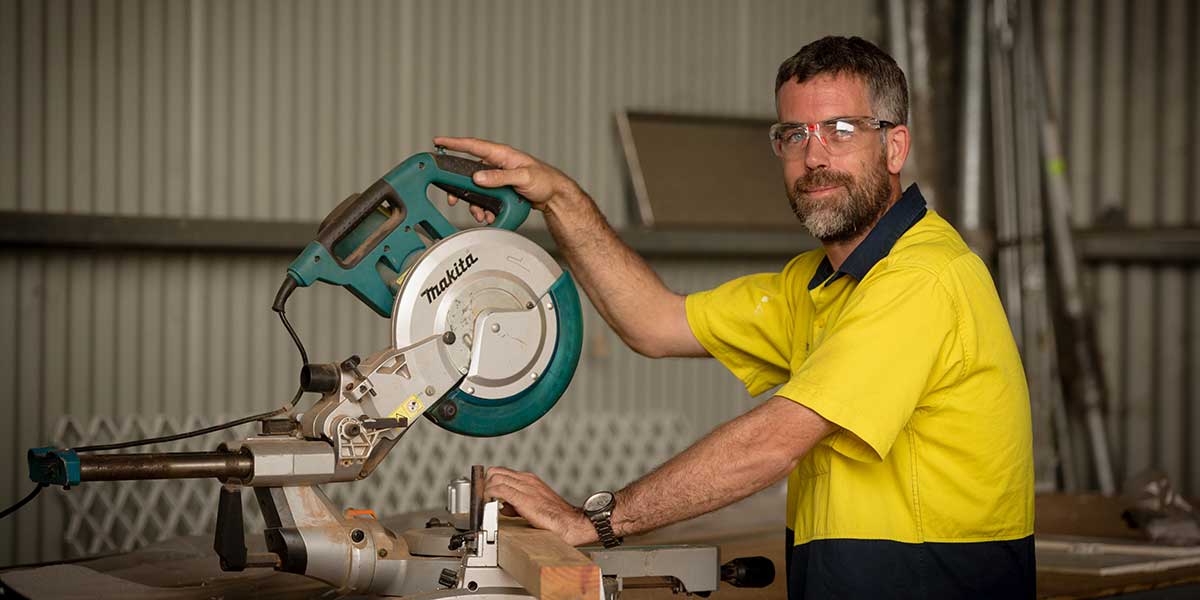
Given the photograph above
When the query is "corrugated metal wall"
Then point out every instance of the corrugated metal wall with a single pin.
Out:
(277, 110)
(1125, 82)
(272, 110)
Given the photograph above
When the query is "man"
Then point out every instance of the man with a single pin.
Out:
(902, 422)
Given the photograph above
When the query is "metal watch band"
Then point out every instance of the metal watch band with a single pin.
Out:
(603, 524)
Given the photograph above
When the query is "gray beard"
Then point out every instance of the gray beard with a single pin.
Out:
(843, 218)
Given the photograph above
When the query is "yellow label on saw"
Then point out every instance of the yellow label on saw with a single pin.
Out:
(409, 409)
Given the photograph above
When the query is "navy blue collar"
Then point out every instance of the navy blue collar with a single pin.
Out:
(898, 219)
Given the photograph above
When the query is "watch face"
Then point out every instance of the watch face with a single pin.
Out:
(598, 502)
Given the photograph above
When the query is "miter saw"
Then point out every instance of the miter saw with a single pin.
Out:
(486, 331)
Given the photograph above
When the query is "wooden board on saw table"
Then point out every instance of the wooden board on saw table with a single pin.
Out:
(544, 564)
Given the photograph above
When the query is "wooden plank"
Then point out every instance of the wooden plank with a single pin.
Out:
(544, 564)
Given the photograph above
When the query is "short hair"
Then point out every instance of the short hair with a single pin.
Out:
(836, 55)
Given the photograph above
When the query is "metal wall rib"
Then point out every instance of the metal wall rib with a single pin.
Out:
(278, 109)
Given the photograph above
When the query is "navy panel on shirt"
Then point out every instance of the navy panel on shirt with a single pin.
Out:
(847, 568)
(898, 219)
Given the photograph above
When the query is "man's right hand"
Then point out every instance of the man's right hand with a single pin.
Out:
(547, 188)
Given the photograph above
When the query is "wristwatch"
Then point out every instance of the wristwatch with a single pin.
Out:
(598, 508)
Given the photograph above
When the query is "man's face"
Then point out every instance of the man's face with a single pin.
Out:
(836, 197)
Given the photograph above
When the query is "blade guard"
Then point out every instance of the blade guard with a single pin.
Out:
(379, 226)
(480, 417)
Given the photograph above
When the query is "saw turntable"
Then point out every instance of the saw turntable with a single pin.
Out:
(486, 331)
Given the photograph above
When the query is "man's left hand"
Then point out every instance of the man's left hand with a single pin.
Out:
(527, 496)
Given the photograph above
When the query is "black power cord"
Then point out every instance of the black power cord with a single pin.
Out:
(194, 433)
(23, 501)
(285, 290)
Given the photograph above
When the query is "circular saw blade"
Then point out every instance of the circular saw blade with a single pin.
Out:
(488, 289)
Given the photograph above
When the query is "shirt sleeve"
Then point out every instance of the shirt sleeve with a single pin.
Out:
(894, 340)
(747, 325)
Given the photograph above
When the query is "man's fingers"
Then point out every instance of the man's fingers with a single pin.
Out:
(501, 491)
(492, 153)
(527, 488)
(480, 214)
(518, 177)
(506, 479)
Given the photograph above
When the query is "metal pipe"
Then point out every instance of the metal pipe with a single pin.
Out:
(165, 465)
(971, 142)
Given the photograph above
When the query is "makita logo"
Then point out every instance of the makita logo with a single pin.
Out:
(431, 293)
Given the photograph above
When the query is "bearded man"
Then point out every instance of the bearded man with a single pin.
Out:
(902, 419)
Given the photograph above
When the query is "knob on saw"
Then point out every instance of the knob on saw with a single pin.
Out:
(749, 571)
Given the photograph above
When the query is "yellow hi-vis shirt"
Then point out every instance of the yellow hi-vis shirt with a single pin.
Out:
(906, 348)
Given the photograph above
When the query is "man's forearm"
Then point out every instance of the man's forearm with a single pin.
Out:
(622, 286)
(735, 460)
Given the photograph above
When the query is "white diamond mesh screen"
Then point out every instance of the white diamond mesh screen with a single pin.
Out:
(576, 454)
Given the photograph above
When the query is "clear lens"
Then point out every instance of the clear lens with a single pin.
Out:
(838, 136)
